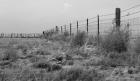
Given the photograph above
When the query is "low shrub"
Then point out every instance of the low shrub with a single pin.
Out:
(59, 58)
(5, 76)
(137, 45)
(48, 34)
(133, 59)
(12, 42)
(78, 74)
(34, 59)
(61, 37)
(92, 40)
(66, 34)
(77, 52)
(10, 54)
(22, 46)
(69, 62)
(91, 75)
(94, 61)
(116, 41)
(26, 75)
(46, 65)
(42, 52)
(68, 57)
(79, 39)
(115, 59)
(69, 74)
(55, 67)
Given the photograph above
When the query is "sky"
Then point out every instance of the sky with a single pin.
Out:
(30, 16)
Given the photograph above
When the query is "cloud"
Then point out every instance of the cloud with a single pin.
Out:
(67, 5)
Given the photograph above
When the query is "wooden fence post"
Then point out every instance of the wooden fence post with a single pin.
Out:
(61, 29)
(77, 26)
(57, 29)
(98, 29)
(65, 28)
(20, 35)
(11, 35)
(87, 25)
(118, 18)
(70, 28)
(1, 35)
(34, 35)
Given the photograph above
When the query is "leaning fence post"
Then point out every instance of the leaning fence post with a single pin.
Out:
(87, 25)
(70, 28)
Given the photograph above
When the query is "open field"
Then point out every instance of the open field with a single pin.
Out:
(66, 58)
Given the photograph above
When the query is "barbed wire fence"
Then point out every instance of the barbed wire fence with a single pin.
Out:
(20, 35)
(101, 24)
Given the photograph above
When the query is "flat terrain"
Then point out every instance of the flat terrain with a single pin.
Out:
(42, 60)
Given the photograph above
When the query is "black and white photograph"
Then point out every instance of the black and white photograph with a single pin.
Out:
(69, 40)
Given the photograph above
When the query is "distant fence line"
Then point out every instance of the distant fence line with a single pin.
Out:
(20, 35)
(101, 24)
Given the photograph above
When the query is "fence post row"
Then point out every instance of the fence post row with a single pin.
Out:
(19, 35)
(77, 26)
(118, 18)
(87, 25)
(117, 24)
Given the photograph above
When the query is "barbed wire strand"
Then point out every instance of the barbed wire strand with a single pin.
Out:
(136, 6)
(129, 14)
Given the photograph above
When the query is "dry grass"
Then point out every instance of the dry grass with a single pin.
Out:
(65, 58)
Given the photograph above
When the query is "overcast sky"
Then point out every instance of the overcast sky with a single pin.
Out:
(37, 15)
